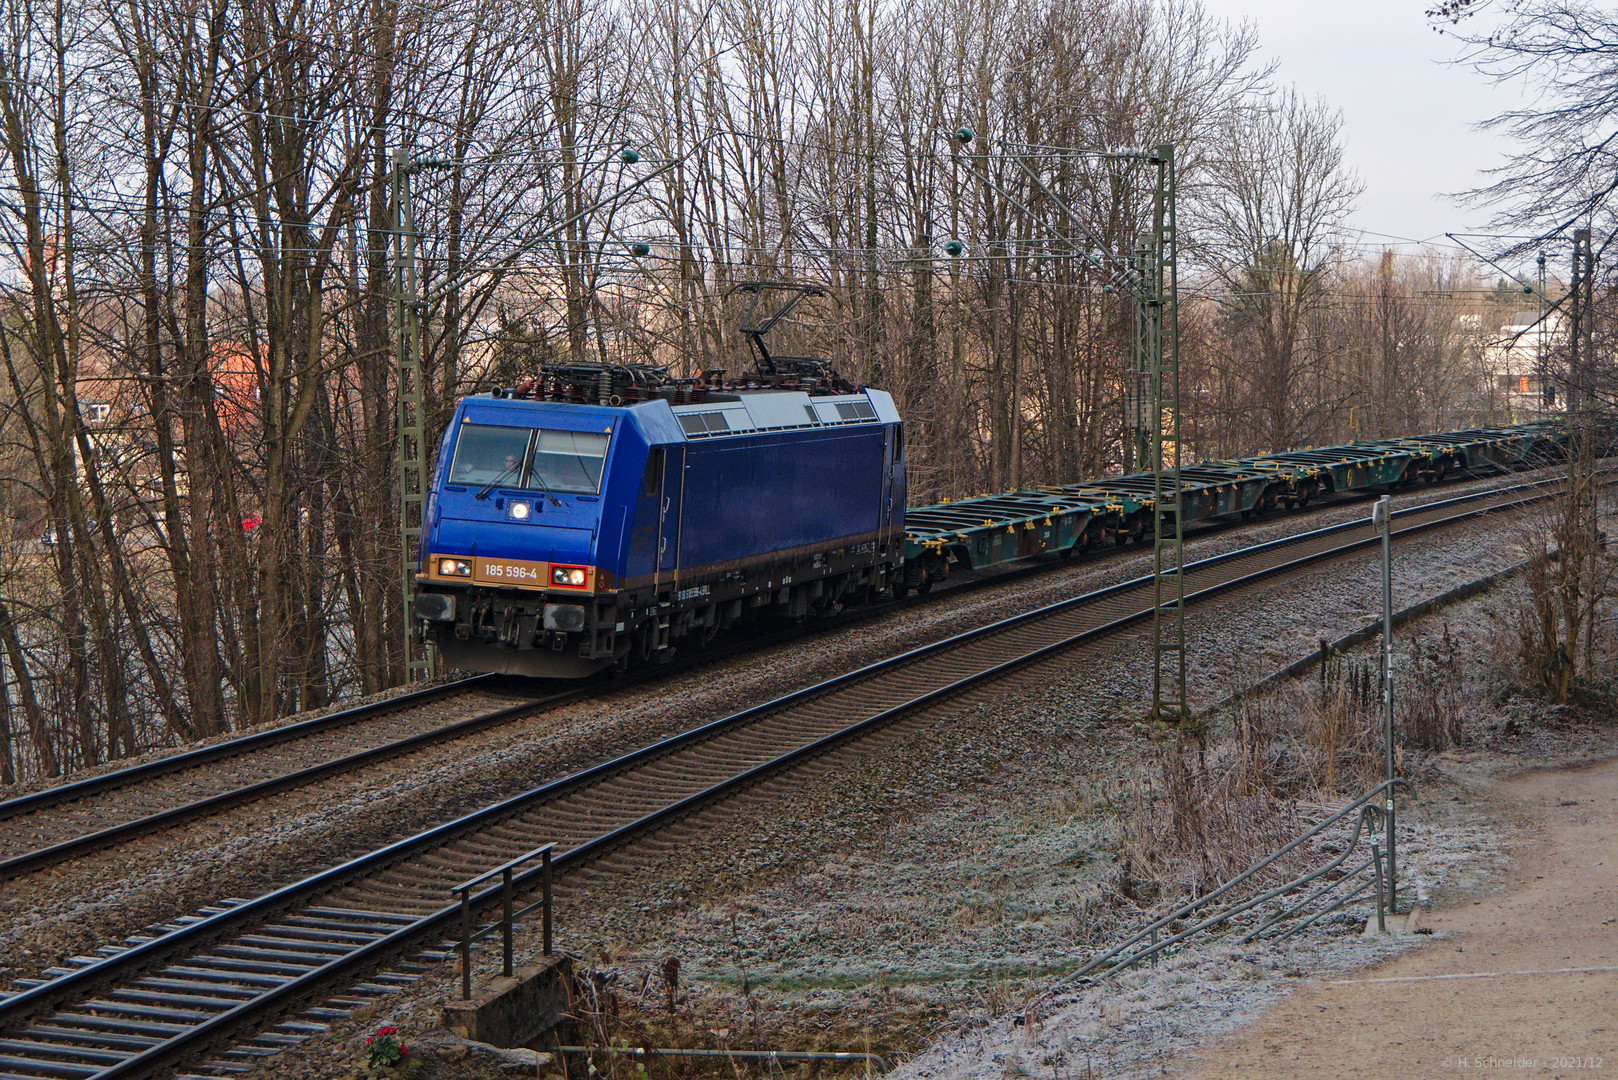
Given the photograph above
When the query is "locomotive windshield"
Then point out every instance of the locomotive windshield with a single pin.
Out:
(515, 457)
(568, 461)
(485, 454)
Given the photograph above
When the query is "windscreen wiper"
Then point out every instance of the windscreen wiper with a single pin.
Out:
(546, 488)
(507, 471)
(540, 480)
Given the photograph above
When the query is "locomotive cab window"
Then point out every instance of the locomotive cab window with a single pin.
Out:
(653, 480)
(513, 457)
(568, 461)
(486, 454)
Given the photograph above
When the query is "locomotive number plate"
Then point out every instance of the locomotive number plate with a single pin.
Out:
(509, 572)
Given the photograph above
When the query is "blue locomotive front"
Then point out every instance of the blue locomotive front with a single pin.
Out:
(562, 537)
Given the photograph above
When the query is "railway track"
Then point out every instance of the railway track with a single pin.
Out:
(50, 827)
(47, 827)
(221, 978)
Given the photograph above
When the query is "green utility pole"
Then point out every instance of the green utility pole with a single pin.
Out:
(1579, 331)
(408, 305)
(1137, 391)
(1151, 397)
(1382, 521)
(1161, 301)
(1547, 385)
(412, 470)
(1581, 398)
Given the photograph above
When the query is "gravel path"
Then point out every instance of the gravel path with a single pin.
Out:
(1520, 983)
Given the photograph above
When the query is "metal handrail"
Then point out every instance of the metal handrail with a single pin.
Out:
(1366, 814)
(1317, 916)
(504, 870)
(1368, 810)
(1286, 913)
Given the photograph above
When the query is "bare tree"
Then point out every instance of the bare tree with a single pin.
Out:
(202, 228)
(1405, 336)
(1564, 54)
(1267, 229)
(1560, 178)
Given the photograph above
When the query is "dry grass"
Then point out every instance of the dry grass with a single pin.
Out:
(1207, 807)
(1193, 825)
(1205, 810)
(1570, 575)
(644, 1002)
(1431, 693)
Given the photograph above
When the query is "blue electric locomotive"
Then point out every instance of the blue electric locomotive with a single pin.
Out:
(598, 516)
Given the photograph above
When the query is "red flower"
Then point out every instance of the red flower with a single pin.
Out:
(403, 1050)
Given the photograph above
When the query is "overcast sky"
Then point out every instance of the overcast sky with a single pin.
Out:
(1408, 116)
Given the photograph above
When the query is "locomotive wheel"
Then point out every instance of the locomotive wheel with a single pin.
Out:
(924, 586)
(914, 576)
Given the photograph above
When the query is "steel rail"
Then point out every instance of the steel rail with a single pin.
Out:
(254, 1013)
(18, 865)
(1145, 581)
(675, 742)
(440, 924)
(97, 785)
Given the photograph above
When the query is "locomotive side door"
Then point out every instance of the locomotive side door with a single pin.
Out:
(668, 515)
(889, 452)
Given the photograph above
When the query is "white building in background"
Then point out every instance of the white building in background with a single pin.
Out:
(1525, 365)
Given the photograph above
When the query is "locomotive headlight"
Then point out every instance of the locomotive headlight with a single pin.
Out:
(573, 577)
(520, 510)
(454, 568)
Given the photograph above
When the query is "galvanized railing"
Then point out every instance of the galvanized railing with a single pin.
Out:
(1149, 942)
(508, 919)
